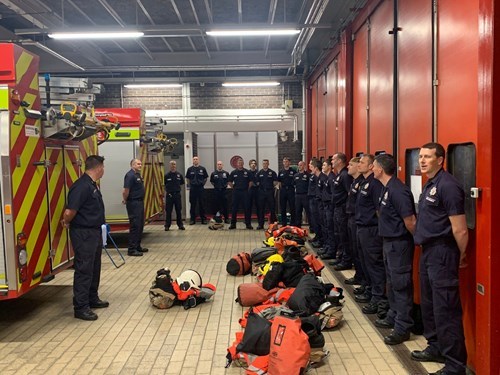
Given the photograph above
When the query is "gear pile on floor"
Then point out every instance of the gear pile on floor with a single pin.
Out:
(186, 290)
(289, 306)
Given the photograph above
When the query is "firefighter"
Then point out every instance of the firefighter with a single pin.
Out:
(359, 276)
(329, 250)
(133, 197)
(301, 183)
(396, 225)
(219, 179)
(253, 193)
(84, 215)
(315, 221)
(340, 191)
(196, 176)
(442, 233)
(287, 191)
(267, 180)
(239, 180)
(173, 181)
(370, 242)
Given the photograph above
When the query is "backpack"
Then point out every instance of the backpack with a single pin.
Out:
(289, 350)
(260, 254)
(162, 294)
(239, 265)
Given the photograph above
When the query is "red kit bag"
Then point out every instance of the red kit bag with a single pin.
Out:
(290, 350)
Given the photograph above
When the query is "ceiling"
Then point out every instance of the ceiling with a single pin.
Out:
(175, 45)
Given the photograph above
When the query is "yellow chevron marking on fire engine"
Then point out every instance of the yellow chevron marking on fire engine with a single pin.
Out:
(22, 65)
(25, 159)
(21, 119)
(34, 82)
(27, 205)
(58, 210)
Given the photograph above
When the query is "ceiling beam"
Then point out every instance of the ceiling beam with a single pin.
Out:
(176, 10)
(270, 18)
(118, 19)
(146, 13)
(211, 20)
(198, 22)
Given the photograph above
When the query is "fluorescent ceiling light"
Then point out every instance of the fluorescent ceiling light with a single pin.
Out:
(151, 85)
(253, 32)
(250, 84)
(97, 35)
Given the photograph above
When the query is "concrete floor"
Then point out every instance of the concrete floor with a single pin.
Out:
(38, 334)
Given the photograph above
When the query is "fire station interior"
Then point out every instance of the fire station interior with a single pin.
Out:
(165, 81)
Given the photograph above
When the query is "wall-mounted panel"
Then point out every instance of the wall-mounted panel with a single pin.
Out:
(381, 67)
(314, 119)
(332, 115)
(322, 115)
(359, 89)
(414, 77)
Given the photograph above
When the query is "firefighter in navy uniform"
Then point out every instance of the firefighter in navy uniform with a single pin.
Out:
(396, 225)
(84, 215)
(301, 183)
(219, 179)
(321, 179)
(329, 248)
(359, 276)
(196, 176)
(239, 180)
(287, 191)
(370, 243)
(315, 221)
(266, 181)
(133, 197)
(253, 192)
(340, 191)
(173, 181)
(443, 235)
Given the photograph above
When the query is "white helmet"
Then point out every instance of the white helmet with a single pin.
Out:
(192, 277)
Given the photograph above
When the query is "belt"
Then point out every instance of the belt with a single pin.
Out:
(439, 241)
(137, 200)
(81, 227)
(300, 193)
(398, 238)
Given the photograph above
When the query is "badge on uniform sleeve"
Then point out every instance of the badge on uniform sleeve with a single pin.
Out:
(433, 191)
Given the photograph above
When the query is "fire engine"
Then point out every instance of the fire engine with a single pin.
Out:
(41, 155)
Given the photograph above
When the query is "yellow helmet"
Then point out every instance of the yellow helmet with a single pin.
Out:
(272, 259)
(269, 242)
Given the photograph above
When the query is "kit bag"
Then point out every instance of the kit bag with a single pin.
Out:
(257, 336)
(252, 294)
(162, 294)
(289, 350)
(260, 254)
(308, 296)
(239, 265)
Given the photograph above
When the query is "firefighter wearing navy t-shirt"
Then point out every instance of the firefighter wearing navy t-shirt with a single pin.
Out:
(196, 176)
(287, 191)
(443, 235)
(266, 180)
(219, 179)
(301, 183)
(133, 197)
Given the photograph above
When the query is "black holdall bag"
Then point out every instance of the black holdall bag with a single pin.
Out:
(257, 336)
(239, 265)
